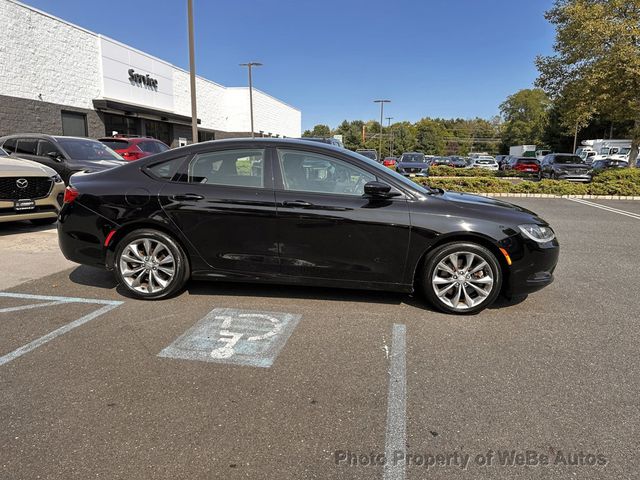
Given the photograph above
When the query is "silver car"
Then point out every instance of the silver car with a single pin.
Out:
(29, 191)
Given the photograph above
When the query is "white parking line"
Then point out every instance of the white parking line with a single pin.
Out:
(108, 305)
(396, 434)
(606, 207)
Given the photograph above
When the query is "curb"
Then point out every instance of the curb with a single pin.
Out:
(548, 195)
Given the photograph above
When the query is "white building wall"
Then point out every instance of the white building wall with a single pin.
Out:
(41, 55)
(269, 114)
(44, 55)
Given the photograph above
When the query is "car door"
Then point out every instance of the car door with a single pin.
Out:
(50, 155)
(328, 229)
(223, 202)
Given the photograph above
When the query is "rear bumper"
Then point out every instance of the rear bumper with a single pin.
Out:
(81, 235)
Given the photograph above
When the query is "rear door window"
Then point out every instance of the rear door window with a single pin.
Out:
(235, 168)
(27, 146)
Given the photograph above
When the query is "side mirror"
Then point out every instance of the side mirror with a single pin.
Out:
(55, 156)
(379, 190)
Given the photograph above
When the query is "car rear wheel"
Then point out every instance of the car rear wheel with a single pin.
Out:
(461, 278)
(150, 264)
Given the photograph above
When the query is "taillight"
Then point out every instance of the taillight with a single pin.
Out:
(131, 155)
(70, 194)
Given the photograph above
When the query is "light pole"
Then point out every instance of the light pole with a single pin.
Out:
(381, 102)
(192, 74)
(391, 136)
(249, 66)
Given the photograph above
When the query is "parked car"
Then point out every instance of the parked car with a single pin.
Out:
(390, 161)
(29, 191)
(372, 154)
(134, 148)
(523, 165)
(488, 163)
(412, 164)
(564, 166)
(328, 140)
(66, 155)
(500, 158)
(606, 164)
(458, 162)
(332, 227)
(440, 162)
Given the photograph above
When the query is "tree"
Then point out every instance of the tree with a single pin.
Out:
(596, 65)
(318, 131)
(526, 116)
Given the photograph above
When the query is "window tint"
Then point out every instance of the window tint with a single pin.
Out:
(10, 145)
(161, 147)
(238, 168)
(74, 124)
(148, 147)
(313, 172)
(79, 149)
(116, 144)
(45, 147)
(165, 170)
(27, 146)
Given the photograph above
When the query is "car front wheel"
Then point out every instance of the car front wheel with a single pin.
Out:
(461, 278)
(150, 264)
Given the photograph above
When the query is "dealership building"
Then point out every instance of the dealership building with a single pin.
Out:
(61, 79)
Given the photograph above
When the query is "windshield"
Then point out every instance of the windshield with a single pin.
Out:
(413, 158)
(81, 149)
(568, 159)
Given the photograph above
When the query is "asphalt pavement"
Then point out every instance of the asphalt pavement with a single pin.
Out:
(295, 383)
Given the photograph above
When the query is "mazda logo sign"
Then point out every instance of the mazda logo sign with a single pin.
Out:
(22, 183)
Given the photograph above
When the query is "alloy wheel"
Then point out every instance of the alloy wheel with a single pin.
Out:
(462, 280)
(147, 265)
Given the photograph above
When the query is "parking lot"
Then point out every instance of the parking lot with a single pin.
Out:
(242, 381)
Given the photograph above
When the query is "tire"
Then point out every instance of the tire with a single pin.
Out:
(160, 262)
(44, 221)
(477, 290)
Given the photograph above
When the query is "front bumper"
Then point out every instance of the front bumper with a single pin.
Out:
(47, 207)
(574, 177)
(412, 174)
(533, 266)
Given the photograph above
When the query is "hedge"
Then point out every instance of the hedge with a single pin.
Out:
(446, 171)
(609, 182)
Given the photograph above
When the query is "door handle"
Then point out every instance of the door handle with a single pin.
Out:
(297, 203)
(187, 196)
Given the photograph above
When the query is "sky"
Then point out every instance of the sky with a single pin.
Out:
(331, 59)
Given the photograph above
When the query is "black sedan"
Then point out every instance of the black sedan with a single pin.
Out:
(66, 155)
(294, 212)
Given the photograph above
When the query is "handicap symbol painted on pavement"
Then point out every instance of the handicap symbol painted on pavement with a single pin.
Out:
(240, 337)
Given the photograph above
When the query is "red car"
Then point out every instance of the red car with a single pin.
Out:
(524, 165)
(390, 161)
(134, 148)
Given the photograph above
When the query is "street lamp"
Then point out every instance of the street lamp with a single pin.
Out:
(192, 74)
(381, 102)
(249, 66)
(390, 137)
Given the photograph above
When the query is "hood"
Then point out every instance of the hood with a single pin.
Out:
(413, 164)
(468, 204)
(13, 167)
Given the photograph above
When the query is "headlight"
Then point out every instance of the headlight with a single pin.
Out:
(537, 233)
(56, 179)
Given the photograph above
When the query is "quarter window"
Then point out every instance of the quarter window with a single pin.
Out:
(165, 170)
(237, 168)
(313, 172)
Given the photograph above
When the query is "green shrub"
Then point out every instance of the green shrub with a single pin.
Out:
(446, 171)
(468, 184)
